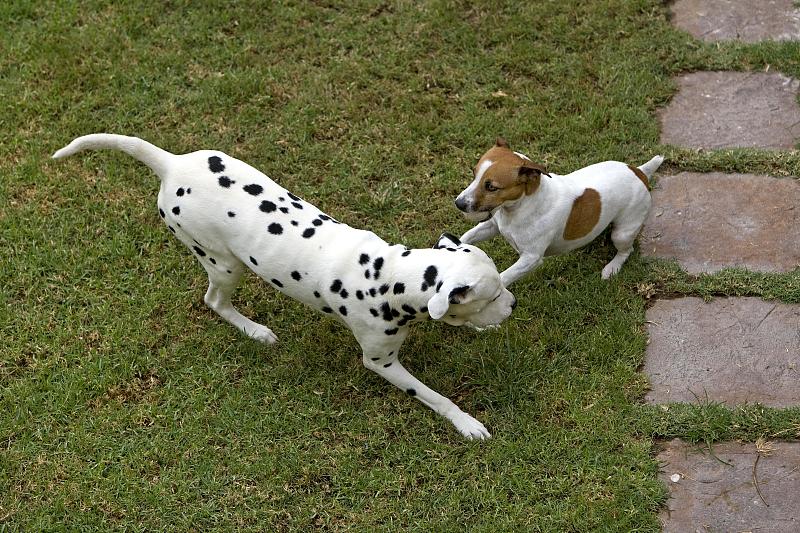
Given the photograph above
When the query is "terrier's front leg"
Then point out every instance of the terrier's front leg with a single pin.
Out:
(524, 264)
(483, 231)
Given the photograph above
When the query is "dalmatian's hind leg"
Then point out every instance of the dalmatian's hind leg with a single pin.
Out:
(222, 280)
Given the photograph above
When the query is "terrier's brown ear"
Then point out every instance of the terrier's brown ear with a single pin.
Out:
(502, 143)
(529, 175)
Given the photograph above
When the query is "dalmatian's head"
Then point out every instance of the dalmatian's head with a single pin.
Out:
(470, 292)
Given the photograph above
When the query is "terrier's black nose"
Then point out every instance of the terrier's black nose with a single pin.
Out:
(461, 204)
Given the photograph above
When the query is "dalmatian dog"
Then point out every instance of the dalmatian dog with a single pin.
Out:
(232, 216)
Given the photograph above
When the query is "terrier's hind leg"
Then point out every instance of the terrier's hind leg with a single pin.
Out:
(622, 236)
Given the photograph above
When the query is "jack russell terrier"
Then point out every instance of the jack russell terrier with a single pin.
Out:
(540, 217)
(232, 216)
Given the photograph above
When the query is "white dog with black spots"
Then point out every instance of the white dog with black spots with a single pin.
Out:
(232, 216)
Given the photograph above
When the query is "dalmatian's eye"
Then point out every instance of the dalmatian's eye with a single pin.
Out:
(489, 187)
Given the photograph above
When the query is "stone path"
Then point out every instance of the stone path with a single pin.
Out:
(733, 109)
(753, 21)
(714, 220)
(718, 492)
(729, 350)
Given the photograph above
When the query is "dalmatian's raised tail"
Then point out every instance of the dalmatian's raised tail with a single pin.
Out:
(149, 154)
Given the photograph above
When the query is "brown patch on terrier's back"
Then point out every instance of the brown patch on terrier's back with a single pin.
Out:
(584, 215)
(641, 175)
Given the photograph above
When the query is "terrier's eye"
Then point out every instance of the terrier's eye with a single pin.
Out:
(489, 187)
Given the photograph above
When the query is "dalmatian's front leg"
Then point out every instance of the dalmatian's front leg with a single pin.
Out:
(381, 358)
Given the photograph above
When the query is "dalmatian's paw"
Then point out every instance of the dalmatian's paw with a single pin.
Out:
(263, 334)
(469, 427)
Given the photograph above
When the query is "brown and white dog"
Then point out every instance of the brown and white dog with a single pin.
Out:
(540, 217)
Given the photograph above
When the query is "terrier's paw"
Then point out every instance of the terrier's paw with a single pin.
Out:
(609, 270)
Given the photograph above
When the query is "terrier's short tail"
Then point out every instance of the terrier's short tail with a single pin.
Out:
(651, 166)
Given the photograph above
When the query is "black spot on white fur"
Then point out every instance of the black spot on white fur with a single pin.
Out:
(277, 283)
(296, 275)
(308, 233)
(254, 189)
(225, 181)
(275, 228)
(429, 277)
(376, 266)
(252, 260)
(176, 210)
(215, 164)
(267, 206)
(386, 312)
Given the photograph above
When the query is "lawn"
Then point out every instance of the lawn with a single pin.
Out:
(126, 404)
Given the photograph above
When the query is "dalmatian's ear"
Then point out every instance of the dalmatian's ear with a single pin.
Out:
(448, 294)
(447, 238)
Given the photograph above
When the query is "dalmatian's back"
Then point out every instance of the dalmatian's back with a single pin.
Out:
(241, 213)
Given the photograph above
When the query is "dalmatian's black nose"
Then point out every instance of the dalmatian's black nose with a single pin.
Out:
(514, 304)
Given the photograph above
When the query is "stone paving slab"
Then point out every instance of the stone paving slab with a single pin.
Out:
(708, 495)
(713, 220)
(733, 109)
(753, 21)
(730, 350)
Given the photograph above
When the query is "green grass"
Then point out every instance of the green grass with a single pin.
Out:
(125, 404)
